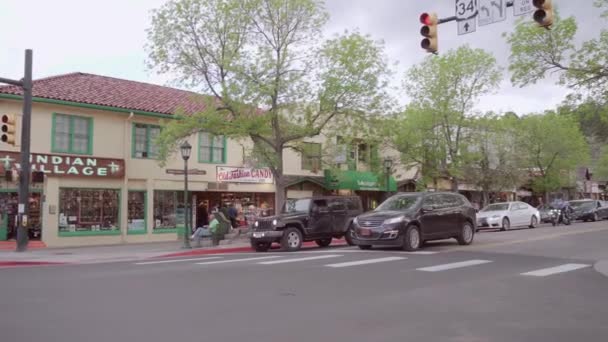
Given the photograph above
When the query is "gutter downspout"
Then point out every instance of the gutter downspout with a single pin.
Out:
(125, 192)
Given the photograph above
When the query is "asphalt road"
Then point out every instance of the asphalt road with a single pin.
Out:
(523, 285)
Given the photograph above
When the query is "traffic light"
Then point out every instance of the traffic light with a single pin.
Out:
(8, 129)
(544, 12)
(429, 32)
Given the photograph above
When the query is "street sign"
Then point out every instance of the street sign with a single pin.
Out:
(466, 9)
(521, 7)
(492, 11)
(467, 26)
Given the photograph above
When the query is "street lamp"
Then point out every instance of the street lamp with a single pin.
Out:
(388, 165)
(186, 149)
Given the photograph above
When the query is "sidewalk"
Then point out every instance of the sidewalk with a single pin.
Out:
(126, 252)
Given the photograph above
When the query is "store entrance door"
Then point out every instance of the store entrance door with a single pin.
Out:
(9, 203)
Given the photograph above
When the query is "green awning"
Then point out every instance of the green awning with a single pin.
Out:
(358, 180)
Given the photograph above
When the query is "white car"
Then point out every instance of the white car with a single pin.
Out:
(507, 215)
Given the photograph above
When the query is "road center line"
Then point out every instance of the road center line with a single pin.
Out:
(171, 261)
(236, 260)
(453, 265)
(364, 262)
(543, 272)
(284, 261)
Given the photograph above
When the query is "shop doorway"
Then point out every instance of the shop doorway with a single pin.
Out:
(9, 204)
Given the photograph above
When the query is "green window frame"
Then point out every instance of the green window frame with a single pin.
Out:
(74, 208)
(72, 134)
(311, 156)
(142, 141)
(209, 150)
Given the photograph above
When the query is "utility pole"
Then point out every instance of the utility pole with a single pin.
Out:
(24, 177)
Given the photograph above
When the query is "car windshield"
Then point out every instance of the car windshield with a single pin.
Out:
(497, 207)
(582, 204)
(297, 206)
(403, 202)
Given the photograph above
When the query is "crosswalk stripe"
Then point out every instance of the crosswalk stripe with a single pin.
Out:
(543, 272)
(453, 265)
(235, 260)
(299, 259)
(174, 260)
(365, 262)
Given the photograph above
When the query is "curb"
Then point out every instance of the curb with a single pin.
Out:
(14, 264)
(244, 249)
(601, 267)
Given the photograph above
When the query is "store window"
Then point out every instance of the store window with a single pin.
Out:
(211, 148)
(144, 141)
(137, 212)
(311, 156)
(168, 210)
(72, 134)
(89, 211)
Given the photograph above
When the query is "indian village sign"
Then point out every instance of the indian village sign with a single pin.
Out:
(65, 165)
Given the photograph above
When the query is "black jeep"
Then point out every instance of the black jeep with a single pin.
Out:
(316, 219)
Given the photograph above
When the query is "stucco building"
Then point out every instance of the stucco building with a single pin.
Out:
(92, 137)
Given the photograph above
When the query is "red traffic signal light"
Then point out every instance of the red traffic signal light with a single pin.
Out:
(544, 12)
(429, 32)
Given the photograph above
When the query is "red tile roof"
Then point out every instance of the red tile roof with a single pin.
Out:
(113, 92)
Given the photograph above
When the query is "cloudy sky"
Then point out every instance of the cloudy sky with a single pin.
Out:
(107, 37)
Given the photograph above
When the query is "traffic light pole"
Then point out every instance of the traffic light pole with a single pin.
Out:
(24, 176)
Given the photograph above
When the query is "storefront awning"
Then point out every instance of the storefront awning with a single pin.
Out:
(357, 180)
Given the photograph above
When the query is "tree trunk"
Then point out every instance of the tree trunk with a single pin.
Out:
(454, 184)
(280, 194)
(485, 199)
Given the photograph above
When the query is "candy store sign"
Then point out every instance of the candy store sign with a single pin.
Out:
(65, 165)
(244, 175)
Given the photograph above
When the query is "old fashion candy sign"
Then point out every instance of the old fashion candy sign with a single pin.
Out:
(65, 165)
(244, 175)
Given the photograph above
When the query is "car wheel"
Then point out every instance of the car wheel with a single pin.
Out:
(533, 222)
(506, 224)
(466, 234)
(323, 242)
(261, 246)
(411, 239)
(291, 240)
(348, 237)
(595, 217)
(365, 247)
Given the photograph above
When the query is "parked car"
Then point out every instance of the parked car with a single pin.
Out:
(507, 215)
(546, 213)
(589, 210)
(407, 220)
(318, 219)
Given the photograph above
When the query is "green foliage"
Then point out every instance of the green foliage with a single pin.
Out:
(537, 53)
(552, 146)
(432, 132)
(601, 171)
(274, 82)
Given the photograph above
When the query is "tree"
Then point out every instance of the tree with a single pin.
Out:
(444, 91)
(537, 53)
(273, 81)
(601, 172)
(494, 161)
(551, 146)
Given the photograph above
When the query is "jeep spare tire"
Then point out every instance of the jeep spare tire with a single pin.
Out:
(291, 240)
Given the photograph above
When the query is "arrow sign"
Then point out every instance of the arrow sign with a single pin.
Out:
(492, 11)
(467, 26)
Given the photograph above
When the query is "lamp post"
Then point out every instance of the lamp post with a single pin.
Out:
(186, 149)
(388, 165)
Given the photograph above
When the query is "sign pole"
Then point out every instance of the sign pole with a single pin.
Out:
(24, 178)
